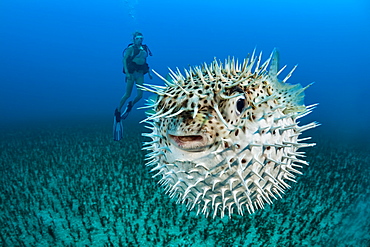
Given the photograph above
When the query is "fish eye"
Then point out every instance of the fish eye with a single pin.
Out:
(240, 105)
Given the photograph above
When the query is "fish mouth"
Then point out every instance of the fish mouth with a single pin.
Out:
(190, 143)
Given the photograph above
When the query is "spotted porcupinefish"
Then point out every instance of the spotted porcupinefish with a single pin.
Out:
(225, 137)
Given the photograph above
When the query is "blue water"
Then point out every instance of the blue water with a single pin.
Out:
(61, 60)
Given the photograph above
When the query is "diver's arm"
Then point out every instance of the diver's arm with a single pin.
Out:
(149, 74)
(127, 53)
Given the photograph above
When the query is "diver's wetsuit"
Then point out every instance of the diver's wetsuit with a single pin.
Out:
(132, 66)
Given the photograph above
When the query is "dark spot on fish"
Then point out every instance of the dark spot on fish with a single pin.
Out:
(237, 132)
(185, 103)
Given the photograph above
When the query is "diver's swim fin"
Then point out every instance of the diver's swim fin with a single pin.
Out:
(127, 110)
(117, 126)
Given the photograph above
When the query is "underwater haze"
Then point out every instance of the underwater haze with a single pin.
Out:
(65, 182)
(63, 59)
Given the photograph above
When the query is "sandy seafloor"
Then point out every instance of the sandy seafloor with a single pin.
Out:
(69, 184)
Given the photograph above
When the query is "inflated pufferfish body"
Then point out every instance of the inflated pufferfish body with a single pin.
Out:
(225, 136)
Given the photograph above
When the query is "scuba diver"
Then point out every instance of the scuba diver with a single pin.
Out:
(135, 67)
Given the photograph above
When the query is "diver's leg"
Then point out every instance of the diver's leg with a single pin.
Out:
(130, 83)
(139, 95)
(136, 76)
(117, 123)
